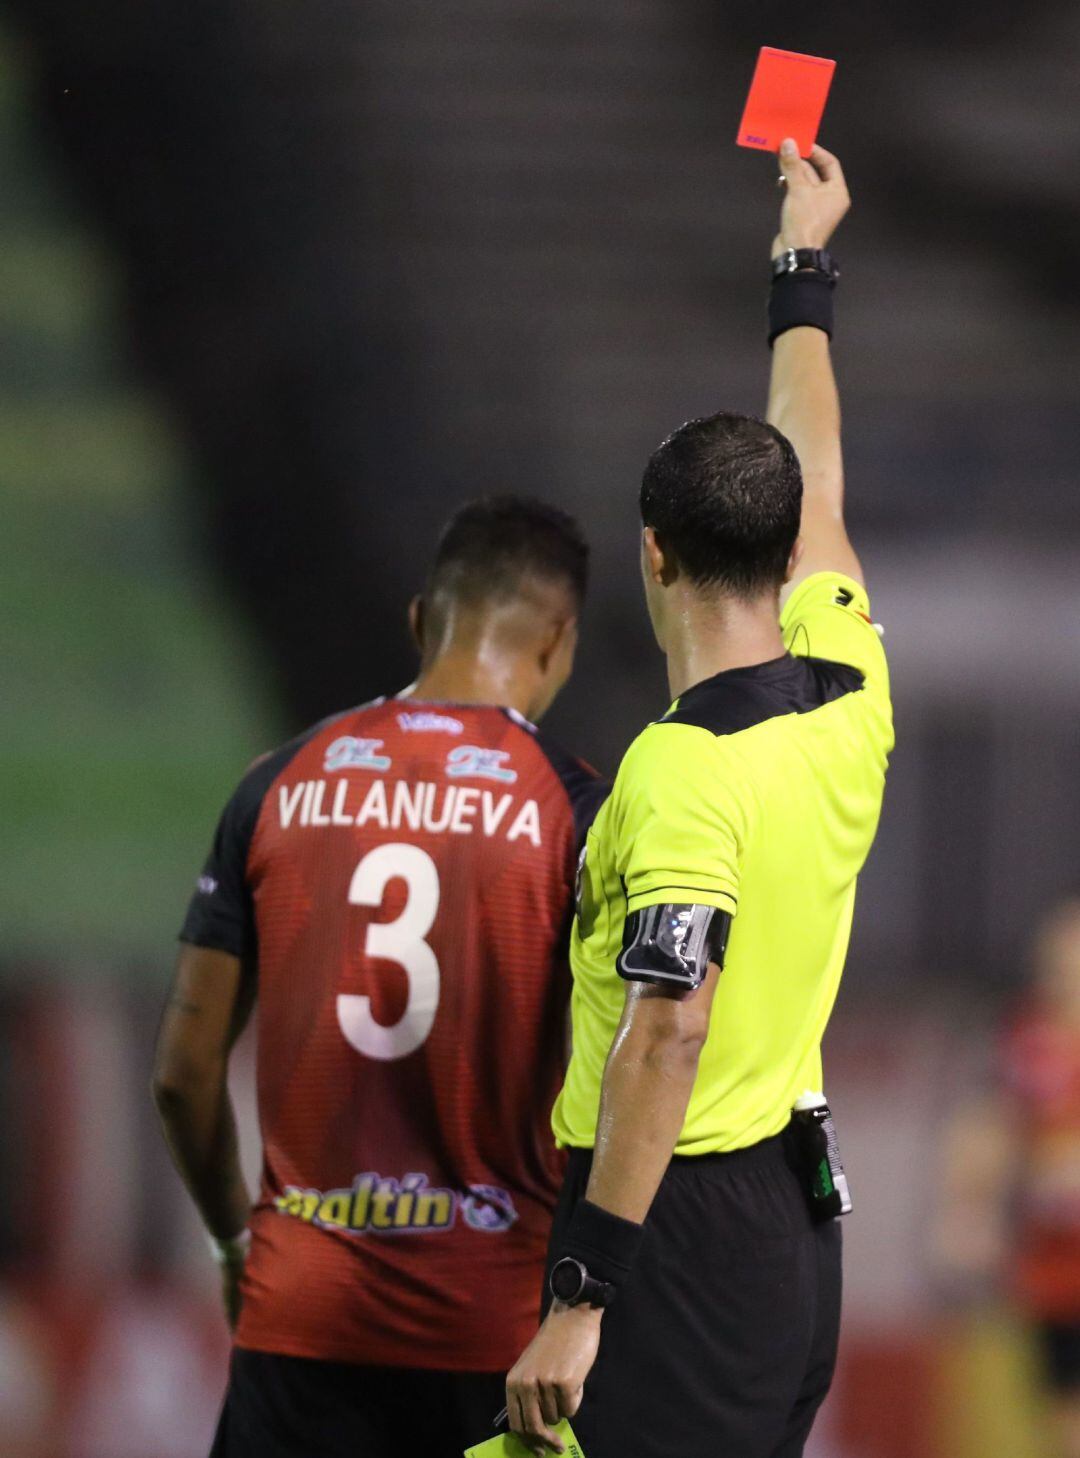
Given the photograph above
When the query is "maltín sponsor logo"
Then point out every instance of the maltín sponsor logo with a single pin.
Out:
(428, 723)
(351, 753)
(378, 1205)
(486, 1207)
(471, 761)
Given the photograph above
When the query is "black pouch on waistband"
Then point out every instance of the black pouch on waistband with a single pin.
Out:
(816, 1156)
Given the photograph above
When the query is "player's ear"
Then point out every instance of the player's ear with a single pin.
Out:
(794, 559)
(416, 621)
(558, 645)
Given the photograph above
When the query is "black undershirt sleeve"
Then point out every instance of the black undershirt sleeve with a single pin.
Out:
(221, 913)
(585, 788)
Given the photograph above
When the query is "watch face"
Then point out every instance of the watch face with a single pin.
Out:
(567, 1279)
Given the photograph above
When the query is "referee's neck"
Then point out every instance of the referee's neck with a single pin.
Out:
(709, 633)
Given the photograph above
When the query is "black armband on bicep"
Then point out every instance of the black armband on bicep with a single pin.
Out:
(673, 944)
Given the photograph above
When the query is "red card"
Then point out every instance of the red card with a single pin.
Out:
(787, 98)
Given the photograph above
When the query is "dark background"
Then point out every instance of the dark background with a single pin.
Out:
(382, 257)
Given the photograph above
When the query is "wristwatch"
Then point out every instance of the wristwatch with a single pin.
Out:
(794, 260)
(571, 1284)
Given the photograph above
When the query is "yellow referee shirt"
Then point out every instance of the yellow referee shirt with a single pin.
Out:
(758, 792)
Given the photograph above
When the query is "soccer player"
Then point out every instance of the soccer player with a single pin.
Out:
(1011, 1208)
(688, 1249)
(395, 886)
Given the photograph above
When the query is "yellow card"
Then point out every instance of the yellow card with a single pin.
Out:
(507, 1446)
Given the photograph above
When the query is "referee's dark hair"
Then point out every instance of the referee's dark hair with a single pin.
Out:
(491, 546)
(724, 494)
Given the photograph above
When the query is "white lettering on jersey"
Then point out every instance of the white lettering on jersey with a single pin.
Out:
(430, 823)
(374, 806)
(408, 805)
(438, 809)
(527, 823)
(337, 814)
(288, 799)
(317, 817)
(493, 814)
(464, 809)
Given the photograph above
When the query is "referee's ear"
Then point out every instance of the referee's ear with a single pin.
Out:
(794, 560)
(658, 565)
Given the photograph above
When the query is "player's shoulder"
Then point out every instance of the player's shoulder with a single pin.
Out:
(267, 767)
(585, 788)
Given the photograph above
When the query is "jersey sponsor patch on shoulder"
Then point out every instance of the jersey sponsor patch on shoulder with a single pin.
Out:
(348, 752)
(473, 761)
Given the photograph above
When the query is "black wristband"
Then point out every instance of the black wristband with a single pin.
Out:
(605, 1244)
(798, 299)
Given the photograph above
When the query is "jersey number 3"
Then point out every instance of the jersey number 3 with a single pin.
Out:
(401, 941)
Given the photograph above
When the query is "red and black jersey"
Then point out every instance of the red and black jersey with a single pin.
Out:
(402, 878)
(1040, 1070)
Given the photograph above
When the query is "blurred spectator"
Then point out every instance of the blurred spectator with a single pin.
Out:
(1011, 1216)
(27, 1412)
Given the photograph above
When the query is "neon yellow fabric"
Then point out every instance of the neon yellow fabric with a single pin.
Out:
(772, 823)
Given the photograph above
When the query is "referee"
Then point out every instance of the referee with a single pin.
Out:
(695, 1283)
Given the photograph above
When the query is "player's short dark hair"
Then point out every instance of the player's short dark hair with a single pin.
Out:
(491, 546)
(724, 493)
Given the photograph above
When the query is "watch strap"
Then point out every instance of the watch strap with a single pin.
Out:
(798, 260)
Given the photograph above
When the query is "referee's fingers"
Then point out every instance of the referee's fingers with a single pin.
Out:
(825, 164)
(534, 1432)
(549, 1403)
(793, 169)
(570, 1399)
(791, 164)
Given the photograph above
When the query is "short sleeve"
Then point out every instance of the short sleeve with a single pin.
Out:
(221, 912)
(678, 825)
(585, 788)
(828, 616)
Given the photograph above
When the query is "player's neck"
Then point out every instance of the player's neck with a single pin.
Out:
(464, 677)
(705, 636)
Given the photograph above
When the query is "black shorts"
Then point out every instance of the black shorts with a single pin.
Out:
(295, 1407)
(1060, 1347)
(722, 1341)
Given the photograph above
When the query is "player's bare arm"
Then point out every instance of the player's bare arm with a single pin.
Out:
(208, 1005)
(803, 400)
(649, 1075)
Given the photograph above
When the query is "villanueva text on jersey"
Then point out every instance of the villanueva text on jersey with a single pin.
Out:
(399, 805)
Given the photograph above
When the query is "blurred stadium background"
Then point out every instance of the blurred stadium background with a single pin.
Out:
(280, 285)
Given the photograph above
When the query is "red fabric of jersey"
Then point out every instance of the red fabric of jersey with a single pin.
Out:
(411, 877)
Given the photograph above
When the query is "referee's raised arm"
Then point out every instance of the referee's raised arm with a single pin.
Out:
(694, 1265)
(803, 401)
